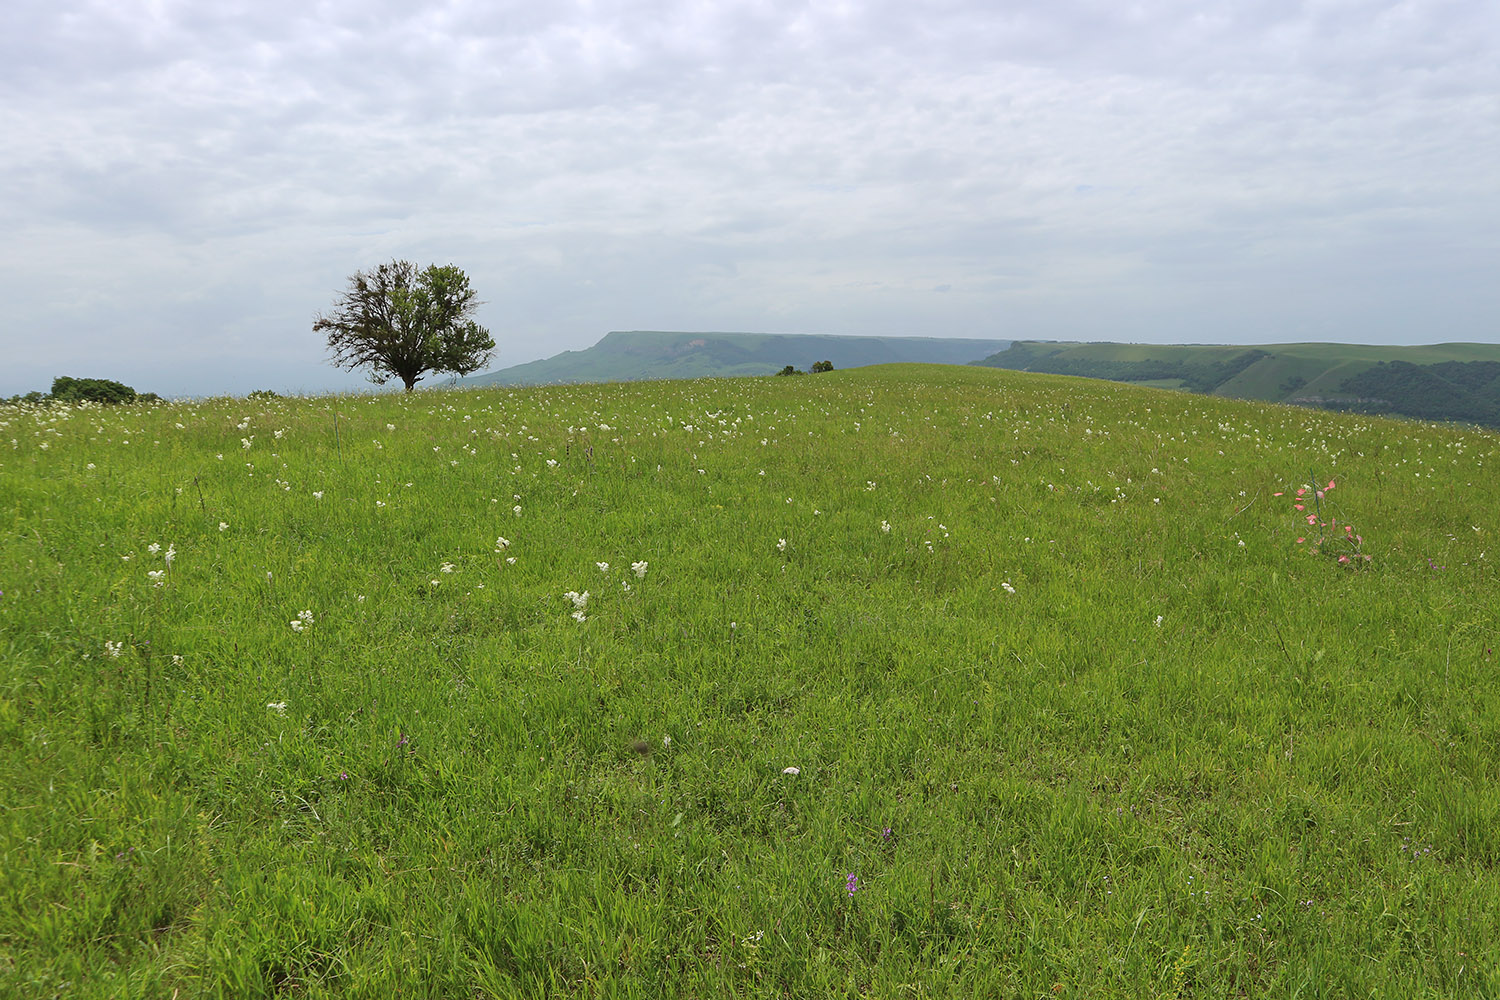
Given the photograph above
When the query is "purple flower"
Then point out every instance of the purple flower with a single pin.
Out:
(851, 883)
(343, 775)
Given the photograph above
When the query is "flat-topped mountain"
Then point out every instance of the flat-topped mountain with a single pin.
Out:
(625, 356)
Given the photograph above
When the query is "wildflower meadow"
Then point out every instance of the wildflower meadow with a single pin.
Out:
(901, 681)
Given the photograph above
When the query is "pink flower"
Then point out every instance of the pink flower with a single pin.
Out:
(1297, 506)
(1312, 519)
(1330, 484)
(1301, 540)
(1276, 494)
(1343, 559)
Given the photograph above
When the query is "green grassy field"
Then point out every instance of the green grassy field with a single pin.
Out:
(906, 681)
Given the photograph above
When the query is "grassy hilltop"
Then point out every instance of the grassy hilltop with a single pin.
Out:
(635, 355)
(929, 681)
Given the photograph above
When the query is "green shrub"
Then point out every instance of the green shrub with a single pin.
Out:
(91, 390)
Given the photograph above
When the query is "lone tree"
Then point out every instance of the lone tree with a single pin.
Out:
(822, 366)
(403, 323)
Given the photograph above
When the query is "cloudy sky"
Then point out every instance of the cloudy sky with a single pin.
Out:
(186, 185)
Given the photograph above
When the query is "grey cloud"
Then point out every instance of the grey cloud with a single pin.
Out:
(213, 172)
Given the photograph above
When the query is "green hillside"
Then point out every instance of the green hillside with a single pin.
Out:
(626, 356)
(905, 681)
(1436, 382)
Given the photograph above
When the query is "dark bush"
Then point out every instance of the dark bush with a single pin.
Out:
(91, 390)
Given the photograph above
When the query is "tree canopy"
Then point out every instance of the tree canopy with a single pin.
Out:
(403, 322)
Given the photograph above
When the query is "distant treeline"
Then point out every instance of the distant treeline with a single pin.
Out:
(1197, 376)
(66, 389)
(1464, 391)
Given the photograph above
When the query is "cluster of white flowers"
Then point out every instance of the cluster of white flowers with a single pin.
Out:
(1007, 587)
(580, 604)
(781, 545)
(639, 568)
(302, 621)
(112, 649)
(279, 707)
(885, 527)
(501, 544)
(603, 566)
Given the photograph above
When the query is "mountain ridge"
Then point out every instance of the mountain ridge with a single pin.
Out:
(638, 355)
(1450, 381)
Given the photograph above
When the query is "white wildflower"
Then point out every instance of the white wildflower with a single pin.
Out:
(603, 566)
(502, 543)
(781, 545)
(791, 770)
(112, 649)
(639, 568)
(158, 577)
(279, 707)
(223, 525)
(1008, 588)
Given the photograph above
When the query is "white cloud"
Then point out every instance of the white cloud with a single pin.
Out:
(192, 184)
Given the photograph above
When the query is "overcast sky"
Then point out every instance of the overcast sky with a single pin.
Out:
(186, 185)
